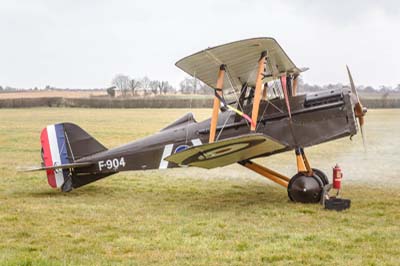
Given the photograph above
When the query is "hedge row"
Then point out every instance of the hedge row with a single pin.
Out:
(145, 103)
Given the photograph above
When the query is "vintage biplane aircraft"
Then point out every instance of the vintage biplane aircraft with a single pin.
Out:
(267, 117)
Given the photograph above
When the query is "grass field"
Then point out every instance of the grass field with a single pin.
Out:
(227, 216)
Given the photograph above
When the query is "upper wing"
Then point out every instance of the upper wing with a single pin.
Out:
(241, 59)
(226, 151)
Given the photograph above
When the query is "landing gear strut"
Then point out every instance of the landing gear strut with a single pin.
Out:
(306, 186)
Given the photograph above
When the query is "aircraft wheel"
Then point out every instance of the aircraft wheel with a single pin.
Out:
(305, 189)
(321, 175)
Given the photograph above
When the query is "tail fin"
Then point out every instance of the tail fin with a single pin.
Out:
(63, 144)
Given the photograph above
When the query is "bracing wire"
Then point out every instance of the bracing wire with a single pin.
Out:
(223, 126)
(190, 105)
(262, 115)
(237, 99)
(231, 109)
(274, 81)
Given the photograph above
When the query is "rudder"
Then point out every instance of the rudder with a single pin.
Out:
(64, 143)
(54, 152)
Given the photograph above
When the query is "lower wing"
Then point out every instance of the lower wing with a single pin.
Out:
(227, 151)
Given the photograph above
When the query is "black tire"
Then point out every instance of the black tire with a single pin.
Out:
(305, 189)
(321, 175)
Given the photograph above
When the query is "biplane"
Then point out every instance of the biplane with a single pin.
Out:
(267, 116)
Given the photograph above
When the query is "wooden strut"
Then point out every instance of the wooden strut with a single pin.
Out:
(286, 95)
(217, 103)
(257, 93)
(266, 172)
(303, 166)
(295, 83)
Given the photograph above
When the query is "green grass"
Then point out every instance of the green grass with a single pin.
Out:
(227, 216)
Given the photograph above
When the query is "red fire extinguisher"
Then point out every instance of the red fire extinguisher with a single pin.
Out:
(337, 177)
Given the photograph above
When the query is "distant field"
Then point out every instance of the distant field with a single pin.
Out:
(77, 94)
(226, 216)
(42, 94)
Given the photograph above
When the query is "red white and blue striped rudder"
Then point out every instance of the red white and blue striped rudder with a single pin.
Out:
(55, 153)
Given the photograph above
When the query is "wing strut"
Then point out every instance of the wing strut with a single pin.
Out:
(295, 84)
(285, 93)
(286, 96)
(257, 93)
(217, 103)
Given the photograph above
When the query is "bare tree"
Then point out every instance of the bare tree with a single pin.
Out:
(145, 84)
(191, 85)
(154, 86)
(133, 85)
(168, 88)
(122, 83)
(369, 89)
(164, 87)
(188, 85)
(204, 88)
(384, 88)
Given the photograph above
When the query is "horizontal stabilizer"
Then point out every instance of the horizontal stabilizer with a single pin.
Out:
(227, 151)
(61, 166)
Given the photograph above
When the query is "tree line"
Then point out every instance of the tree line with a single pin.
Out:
(125, 86)
(145, 86)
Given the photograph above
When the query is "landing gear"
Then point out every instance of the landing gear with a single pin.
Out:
(306, 189)
(307, 185)
(321, 175)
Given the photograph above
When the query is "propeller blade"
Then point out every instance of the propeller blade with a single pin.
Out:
(359, 110)
(353, 88)
(361, 122)
(363, 137)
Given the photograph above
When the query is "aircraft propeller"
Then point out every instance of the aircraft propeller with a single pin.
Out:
(359, 109)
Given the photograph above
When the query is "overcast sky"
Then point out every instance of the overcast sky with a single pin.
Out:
(84, 44)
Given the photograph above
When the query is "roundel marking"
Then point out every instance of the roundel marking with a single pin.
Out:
(181, 148)
(222, 151)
